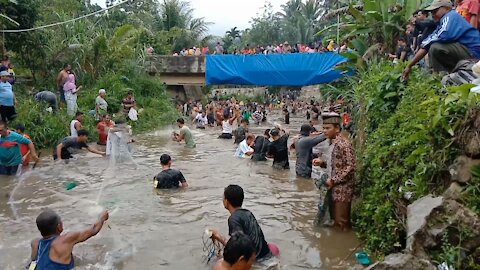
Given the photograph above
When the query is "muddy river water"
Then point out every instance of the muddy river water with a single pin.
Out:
(151, 229)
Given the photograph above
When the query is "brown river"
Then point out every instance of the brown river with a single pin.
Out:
(151, 229)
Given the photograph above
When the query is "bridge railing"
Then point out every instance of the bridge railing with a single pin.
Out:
(166, 64)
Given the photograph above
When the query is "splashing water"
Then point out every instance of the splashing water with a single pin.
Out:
(11, 199)
(120, 147)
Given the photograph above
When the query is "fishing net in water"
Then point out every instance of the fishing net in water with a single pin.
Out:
(119, 145)
(320, 177)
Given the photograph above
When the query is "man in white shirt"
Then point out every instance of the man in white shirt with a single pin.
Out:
(201, 120)
(76, 124)
(245, 149)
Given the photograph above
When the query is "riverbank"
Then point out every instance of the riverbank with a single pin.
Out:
(408, 138)
(46, 129)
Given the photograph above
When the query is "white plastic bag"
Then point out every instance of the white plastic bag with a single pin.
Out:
(132, 114)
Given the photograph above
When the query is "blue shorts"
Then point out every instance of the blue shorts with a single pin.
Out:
(8, 170)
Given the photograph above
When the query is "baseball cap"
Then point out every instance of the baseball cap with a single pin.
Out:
(438, 4)
(5, 73)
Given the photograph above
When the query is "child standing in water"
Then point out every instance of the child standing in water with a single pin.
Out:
(54, 251)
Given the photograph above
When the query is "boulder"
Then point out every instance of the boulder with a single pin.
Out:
(417, 214)
(430, 218)
(469, 137)
(460, 170)
(454, 192)
(402, 261)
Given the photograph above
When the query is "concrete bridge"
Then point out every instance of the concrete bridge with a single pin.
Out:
(177, 70)
(183, 75)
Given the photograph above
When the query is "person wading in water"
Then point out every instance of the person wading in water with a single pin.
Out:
(168, 177)
(278, 149)
(343, 170)
(54, 251)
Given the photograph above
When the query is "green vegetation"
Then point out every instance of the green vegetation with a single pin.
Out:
(156, 108)
(406, 137)
(106, 51)
(304, 21)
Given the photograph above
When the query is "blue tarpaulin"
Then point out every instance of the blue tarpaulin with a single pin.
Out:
(295, 69)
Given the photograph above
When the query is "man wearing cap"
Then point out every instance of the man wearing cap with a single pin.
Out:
(453, 40)
(48, 97)
(168, 177)
(303, 148)
(342, 178)
(7, 98)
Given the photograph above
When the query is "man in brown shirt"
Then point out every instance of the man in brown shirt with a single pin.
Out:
(342, 179)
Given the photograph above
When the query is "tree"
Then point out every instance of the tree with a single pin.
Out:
(178, 14)
(233, 33)
(266, 27)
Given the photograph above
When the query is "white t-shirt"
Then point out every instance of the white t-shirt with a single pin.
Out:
(201, 120)
(242, 149)
(73, 131)
(227, 127)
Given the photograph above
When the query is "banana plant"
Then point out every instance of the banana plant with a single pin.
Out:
(374, 22)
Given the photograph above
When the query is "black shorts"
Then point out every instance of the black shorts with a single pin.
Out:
(65, 154)
(7, 113)
(225, 136)
(8, 170)
(62, 94)
(210, 119)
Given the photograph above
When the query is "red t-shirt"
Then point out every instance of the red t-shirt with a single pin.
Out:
(24, 150)
(468, 8)
(102, 133)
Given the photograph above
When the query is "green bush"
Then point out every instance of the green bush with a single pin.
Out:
(47, 129)
(409, 144)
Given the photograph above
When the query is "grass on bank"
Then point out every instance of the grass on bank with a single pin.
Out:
(47, 129)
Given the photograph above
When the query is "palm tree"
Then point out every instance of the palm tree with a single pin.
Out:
(301, 18)
(311, 12)
(233, 33)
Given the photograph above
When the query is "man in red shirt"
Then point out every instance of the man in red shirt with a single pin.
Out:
(20, 129)
(103, 127)
(469, 10)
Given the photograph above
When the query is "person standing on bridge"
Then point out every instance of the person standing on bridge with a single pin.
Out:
(219, 48)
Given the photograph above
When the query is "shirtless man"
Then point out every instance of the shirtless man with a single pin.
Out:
(61, 79)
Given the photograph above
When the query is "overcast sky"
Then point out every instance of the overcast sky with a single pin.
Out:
(225, 14)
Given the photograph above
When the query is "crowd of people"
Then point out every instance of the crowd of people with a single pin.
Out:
(444, 41)
(273, 48)
(232, 119)
(440, 42)
(17, 148)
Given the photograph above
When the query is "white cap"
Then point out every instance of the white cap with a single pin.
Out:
(102, 91)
